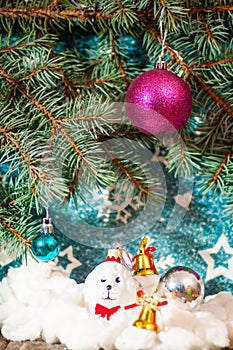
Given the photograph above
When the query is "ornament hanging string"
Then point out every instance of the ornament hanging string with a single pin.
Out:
(47, 212)
(125, 257)
(161, 63)
(46, 206)
(163, 34)
(47, 219)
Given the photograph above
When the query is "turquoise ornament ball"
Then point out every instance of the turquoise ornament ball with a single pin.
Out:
(45, 246)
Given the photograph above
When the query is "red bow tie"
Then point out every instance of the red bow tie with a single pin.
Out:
(105, 311)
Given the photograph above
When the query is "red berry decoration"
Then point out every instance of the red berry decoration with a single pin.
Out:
(140, 293)
(158, 102)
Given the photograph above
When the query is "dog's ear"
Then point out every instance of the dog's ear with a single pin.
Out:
(90, 285)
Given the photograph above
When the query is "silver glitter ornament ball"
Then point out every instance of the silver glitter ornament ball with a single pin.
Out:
(182, 283)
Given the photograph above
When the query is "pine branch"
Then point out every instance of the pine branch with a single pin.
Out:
(25, 156)
(209, 137)
(190, 72)
(17, 225)
(118, 58)
(220, 168)
(97, 82)
(59, 14)
(38, 71)
(212, 9)
(122, 17)
(125, 171)
(182, 159)
(56, 15)
(15, 233)
(55, 124)
(211, 64)
(46, 41)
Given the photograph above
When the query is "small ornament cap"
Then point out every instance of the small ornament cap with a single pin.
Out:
(47, 225)
(120, 255)
(160, 65)
(114, 254)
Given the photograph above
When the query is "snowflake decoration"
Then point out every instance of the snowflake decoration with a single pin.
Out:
(118, 204)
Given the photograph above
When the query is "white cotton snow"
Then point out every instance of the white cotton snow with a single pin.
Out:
(35, 301)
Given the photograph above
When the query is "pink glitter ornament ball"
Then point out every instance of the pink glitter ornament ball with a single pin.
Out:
(158, 102)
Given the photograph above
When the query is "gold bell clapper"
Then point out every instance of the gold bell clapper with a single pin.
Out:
(144, 269)
(148, 316)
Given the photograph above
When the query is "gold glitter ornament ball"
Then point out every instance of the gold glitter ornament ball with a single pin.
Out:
(158, 102)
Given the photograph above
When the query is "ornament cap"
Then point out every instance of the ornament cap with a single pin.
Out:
(120, 255)
(160, 65)
(47, 225)
(114, 254)
(144, 260)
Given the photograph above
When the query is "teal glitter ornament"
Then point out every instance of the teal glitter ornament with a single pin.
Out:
(46, 246)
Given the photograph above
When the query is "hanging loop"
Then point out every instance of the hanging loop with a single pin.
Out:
(161, 64)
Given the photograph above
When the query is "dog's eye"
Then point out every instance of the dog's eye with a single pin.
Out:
(103, 280)
(118, 280)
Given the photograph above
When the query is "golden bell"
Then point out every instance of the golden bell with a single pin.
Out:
(147, 319)
(143, 265)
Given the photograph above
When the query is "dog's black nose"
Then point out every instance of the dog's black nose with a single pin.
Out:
(109, 287)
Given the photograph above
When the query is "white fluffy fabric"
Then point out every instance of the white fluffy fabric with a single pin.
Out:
(35, 301)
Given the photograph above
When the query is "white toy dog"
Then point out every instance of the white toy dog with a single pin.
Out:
(108, 288)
